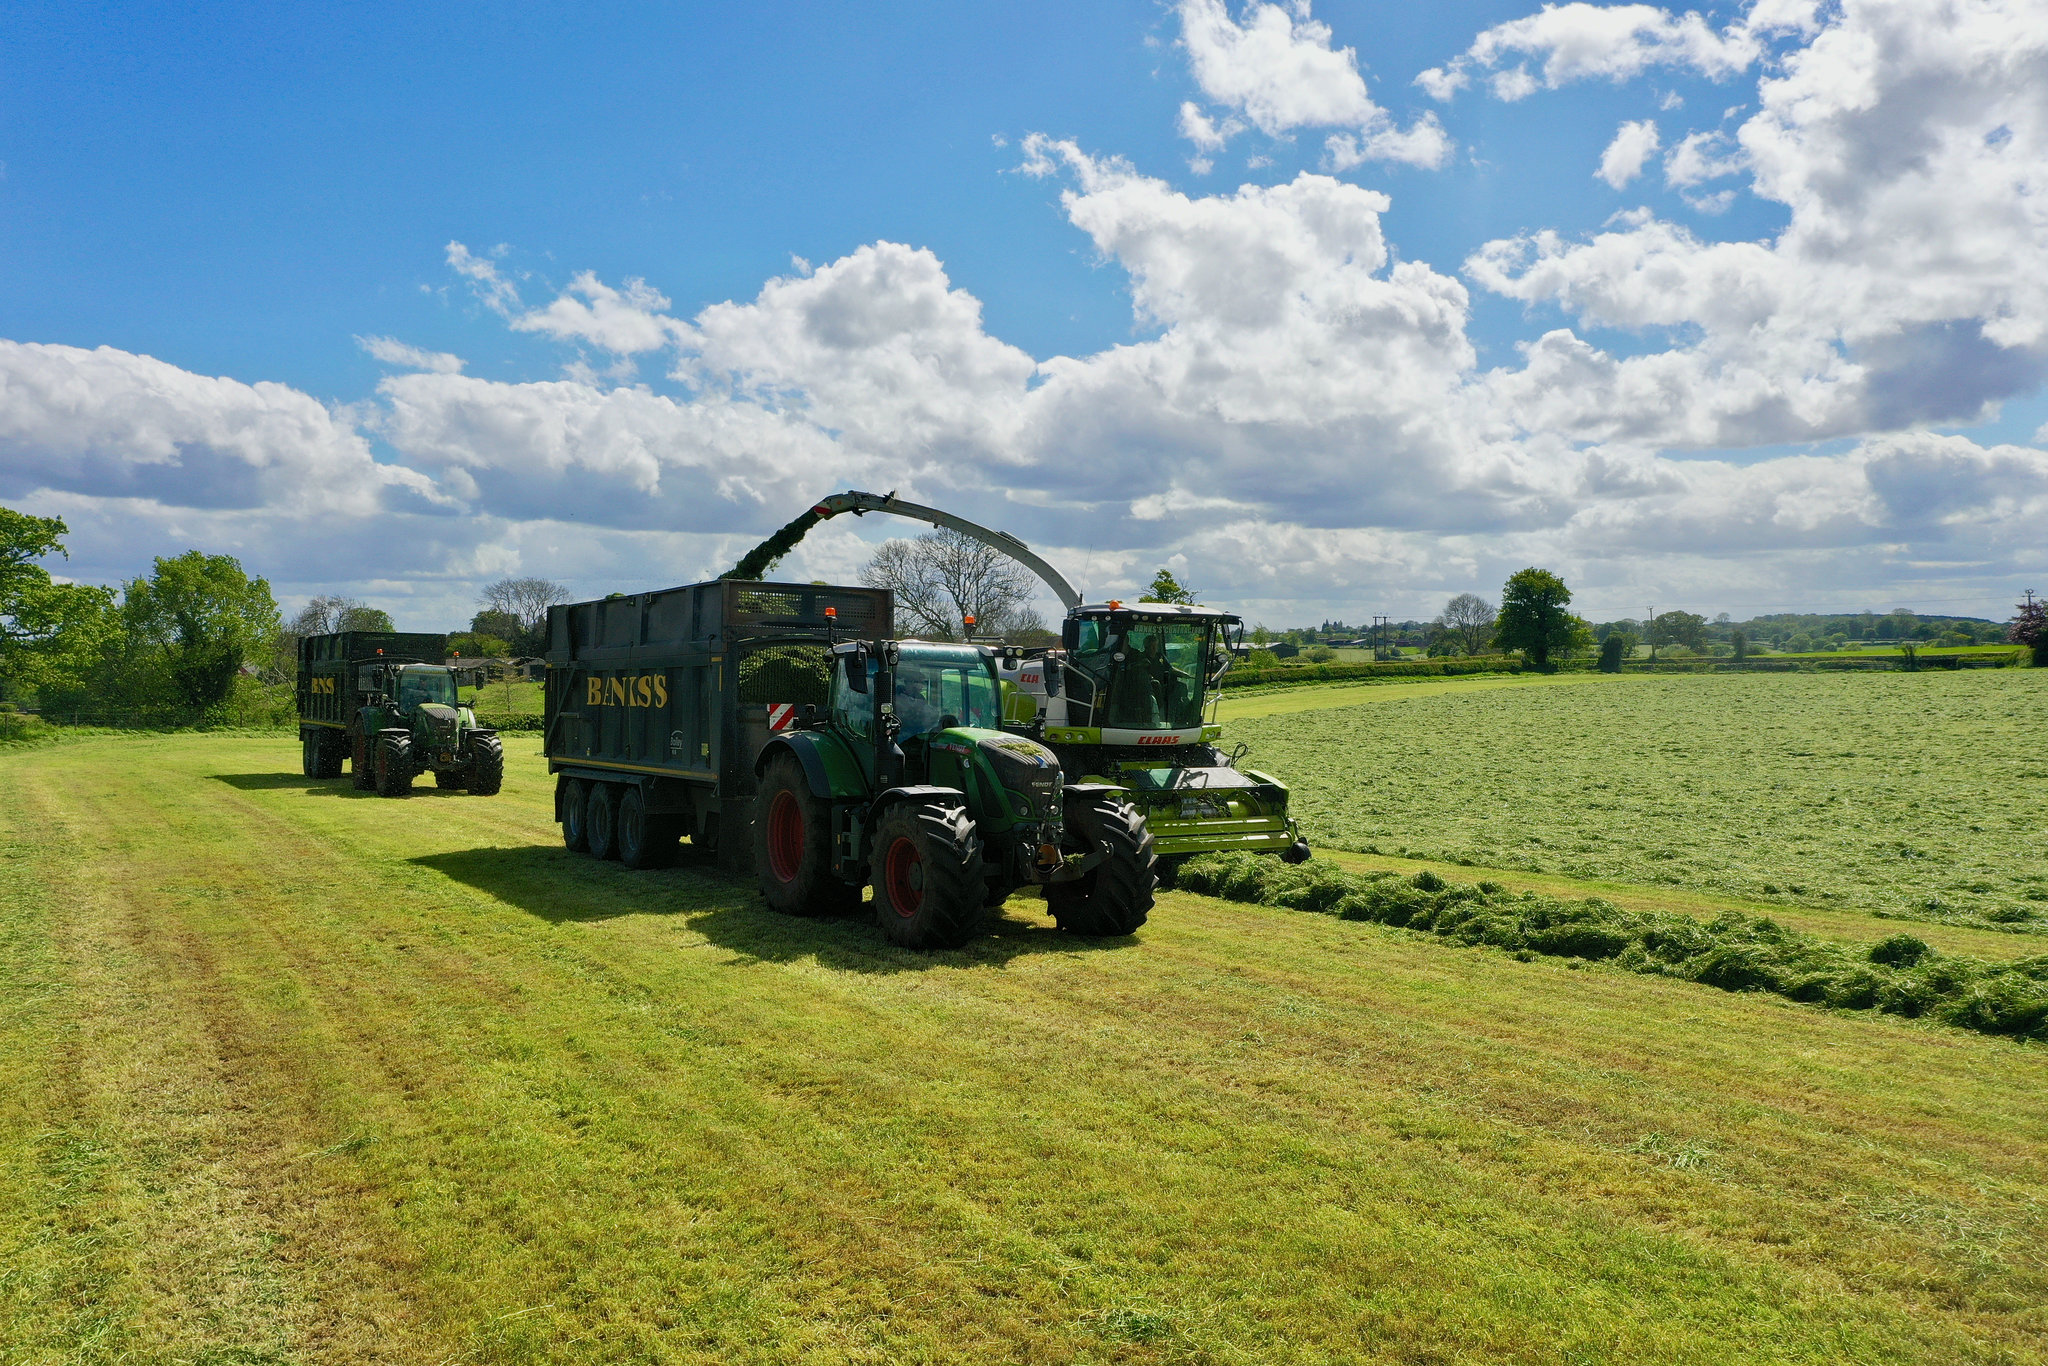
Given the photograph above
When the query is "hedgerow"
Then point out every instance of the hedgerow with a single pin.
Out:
(1899, 976)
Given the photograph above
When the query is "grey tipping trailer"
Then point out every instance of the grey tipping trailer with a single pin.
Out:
(650, 728)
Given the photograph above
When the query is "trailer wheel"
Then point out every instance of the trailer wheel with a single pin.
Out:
(575, 830)
(644, 841)
(928, 874)
(486, 771)
(361, 771)
(309, 752)
(394, 765)
(601, 819)
(793, 845)
(328, 754)
(1114, 897)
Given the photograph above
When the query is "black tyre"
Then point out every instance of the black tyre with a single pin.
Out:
(450, 778)
(309, 753)
(645, 841)
(486, 772)
(329, 754)
(1115, 896)
(793, 845)
(601, 819)
(362, 770)
(394, 765)
(929, 880)
(575, 828)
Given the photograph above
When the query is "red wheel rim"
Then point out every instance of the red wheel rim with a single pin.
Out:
(903, 871)
(785, 836)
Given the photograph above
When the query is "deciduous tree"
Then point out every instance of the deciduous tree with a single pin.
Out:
(47, 629)
(1166, 588)
(1533, 618)
(202, 617)
(942, 578)
(1468, 620)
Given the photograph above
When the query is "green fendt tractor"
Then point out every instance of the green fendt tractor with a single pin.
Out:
(411, 722)
(907, 780)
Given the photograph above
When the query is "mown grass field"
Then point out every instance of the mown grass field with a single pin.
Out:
(294, 1074)
(1920, 795)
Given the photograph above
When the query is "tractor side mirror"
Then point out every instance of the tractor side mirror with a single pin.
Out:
(1070, 634)
(1053, 669)
(808, 718)
(857, 668)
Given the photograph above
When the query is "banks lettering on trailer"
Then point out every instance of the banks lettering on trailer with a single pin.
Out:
(322, 685)
(641, 690)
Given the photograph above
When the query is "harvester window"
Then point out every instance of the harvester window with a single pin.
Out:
(1159, 680)
(425, 686)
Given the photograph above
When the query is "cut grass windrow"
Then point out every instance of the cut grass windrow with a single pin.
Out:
(1899, 975)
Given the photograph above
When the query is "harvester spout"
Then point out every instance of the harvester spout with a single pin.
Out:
(859, 504)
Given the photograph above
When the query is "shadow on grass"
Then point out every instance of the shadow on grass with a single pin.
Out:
(557, 886)
(319, 787)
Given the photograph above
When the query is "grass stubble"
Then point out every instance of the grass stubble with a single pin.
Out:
(292, 1074)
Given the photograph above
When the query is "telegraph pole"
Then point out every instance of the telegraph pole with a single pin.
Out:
(1650, 630)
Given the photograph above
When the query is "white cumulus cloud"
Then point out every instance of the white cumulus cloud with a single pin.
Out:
(1634, 143)
(391, 351)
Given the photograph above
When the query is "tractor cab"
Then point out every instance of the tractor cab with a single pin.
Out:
(934, 688)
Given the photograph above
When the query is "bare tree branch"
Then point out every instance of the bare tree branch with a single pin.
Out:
(943, 577)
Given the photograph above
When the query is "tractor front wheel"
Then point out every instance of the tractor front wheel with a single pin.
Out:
(793, 845)
(645, 841)
(929, 879)
(1114, 897)
(486, 771)
(394, 765)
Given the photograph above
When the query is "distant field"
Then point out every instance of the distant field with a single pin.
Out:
(294, 1074)
(1919, 794)
(520, 699)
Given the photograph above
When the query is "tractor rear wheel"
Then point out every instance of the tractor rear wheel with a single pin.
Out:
(793, 844)
(1114, 897)
(644, 841)
(929, 879)
(575, 831)
(486, 771)
(601, 819)
(394, 765)
(362, 770)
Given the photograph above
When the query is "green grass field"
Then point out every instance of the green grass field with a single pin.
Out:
(1916, 795)
(293, 1074)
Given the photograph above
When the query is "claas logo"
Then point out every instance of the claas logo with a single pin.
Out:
(643, 690)
(323, 685)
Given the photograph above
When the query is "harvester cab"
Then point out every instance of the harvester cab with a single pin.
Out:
(908, 780)
(413, 721)
(1130, 698)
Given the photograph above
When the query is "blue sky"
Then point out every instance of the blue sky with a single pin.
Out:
(244, 193)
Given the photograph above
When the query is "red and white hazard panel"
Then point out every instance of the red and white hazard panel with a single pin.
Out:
(781, 715)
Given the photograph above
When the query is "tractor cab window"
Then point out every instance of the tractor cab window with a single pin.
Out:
(425, 685)
(932, 694)
(854, 712)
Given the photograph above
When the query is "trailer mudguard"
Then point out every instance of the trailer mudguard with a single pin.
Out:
(833, 772)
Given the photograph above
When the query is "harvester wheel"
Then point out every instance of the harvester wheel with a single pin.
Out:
(361, 770)
(601, 819)
(930, 882)
(450, 778)
(575, 832)
(486, 771)
(394, 765)
(1115, 896)
(793, 845)
(644, 841)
